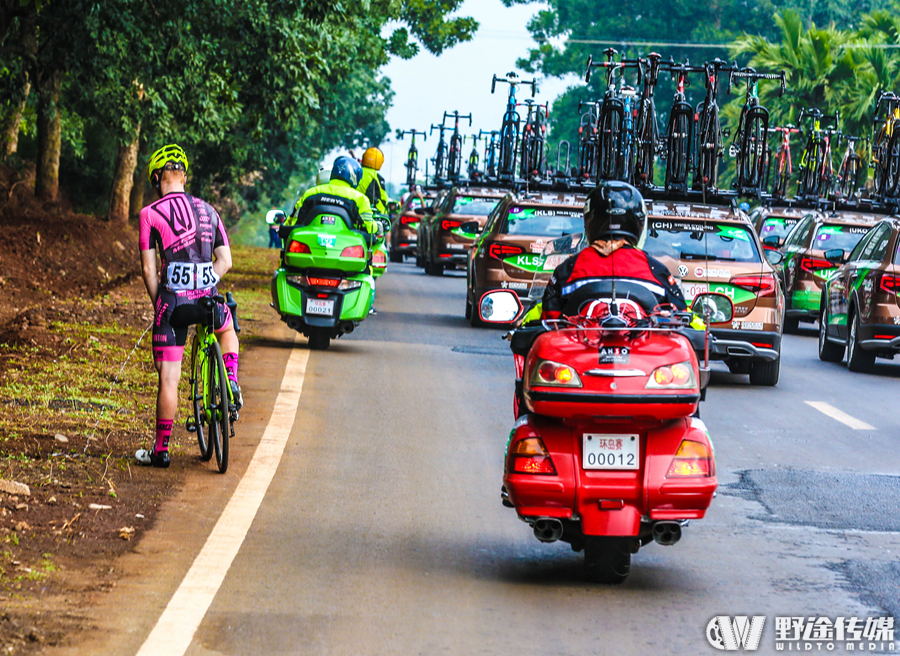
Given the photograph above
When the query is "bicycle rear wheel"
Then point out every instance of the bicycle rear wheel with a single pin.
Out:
(893, 166)
(781, 174)
(753, 150)
(646, 146)
(679, 148)
(708, 147)
(220, 420)
(199, 400)
(608, 138)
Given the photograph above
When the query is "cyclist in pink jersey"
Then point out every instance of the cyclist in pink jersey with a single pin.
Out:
(188, 238)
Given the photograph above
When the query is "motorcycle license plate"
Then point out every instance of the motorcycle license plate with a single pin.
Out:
(601, 451)
(316, 306)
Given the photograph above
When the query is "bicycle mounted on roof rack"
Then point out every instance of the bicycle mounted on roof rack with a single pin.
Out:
(491, 151)
(646, 130)
(815, 163)
(886, 145)
(454, 158)
(440, 156)
(474, 158)
(749, 145)
(509, 131)
(534, 140)
(709, 135)
(412, 156)
(783, 166)
(587, 140)
(680, 130)
(846, 183)
(614, 134)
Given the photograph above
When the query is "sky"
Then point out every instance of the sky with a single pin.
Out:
(460, 79)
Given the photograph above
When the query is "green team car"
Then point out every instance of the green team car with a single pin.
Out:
(805, 269)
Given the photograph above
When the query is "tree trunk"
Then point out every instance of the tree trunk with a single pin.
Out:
(137, 192)
(123, 179)
(10, 130)
(49, 137)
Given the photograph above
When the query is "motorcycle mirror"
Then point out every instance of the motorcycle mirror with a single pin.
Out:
(500, 306)
(275, 217)
(713, 307)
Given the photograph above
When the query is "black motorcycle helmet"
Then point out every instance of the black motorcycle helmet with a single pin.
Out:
(614, 210)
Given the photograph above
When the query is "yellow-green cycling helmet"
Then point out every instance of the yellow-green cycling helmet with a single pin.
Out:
(166, 154)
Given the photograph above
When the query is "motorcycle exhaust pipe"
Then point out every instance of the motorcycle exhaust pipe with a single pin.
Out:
(347, 327)
(294, 324)
(547, 529)
(666, 533)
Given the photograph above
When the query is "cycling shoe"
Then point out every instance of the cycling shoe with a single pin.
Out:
(236, 393)
(149, 458)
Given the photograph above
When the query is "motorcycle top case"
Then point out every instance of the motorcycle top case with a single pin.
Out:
(331, 244)
(616, 375)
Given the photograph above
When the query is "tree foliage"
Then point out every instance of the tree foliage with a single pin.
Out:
(257, 91)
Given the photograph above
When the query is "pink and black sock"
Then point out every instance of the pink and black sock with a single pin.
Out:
(231, 365)
(163, 431)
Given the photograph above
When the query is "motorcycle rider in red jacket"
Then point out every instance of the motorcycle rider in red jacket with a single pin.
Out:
(614, 220)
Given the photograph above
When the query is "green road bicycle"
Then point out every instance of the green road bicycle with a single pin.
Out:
(212, 400)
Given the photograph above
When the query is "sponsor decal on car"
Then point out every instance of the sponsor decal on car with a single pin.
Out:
(746, 325)
(513, 285)
(530, 263)
(682, 271)
(459, 232)
(614, 355)
(537, 246)
(700, 272)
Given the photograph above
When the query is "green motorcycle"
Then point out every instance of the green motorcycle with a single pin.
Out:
(324, 287)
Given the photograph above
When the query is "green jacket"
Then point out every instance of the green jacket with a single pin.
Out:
(371, 186)
(340, 189)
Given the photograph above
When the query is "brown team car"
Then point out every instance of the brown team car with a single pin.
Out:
(715, 249)
(404, 231)
(442, 241)
(805, 269)
(507, 252)
(860, 308)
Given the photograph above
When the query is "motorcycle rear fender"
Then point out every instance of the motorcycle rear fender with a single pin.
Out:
(681, 497)
(325, 257)
(355, 304)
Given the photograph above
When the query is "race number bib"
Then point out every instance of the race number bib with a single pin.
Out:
(184, 276)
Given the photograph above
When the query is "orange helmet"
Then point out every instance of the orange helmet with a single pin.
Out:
(373, 158)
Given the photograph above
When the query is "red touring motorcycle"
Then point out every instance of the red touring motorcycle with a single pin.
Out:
(608, 452)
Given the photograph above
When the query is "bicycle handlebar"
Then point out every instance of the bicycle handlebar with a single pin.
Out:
(457, 116)
(750, 74)
(402, 133)
(512, 79)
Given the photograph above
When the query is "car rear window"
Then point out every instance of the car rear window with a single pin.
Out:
(472, 206)
(777, 227)
(838, 236)
(542, 222)
(693, 240)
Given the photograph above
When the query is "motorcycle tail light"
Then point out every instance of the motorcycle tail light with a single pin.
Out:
(349, 284)
(554, 374)
(673, 376)
(357, 252)
(692, 459)
(378, 257)
(889, 283)
(761, 285)
(530, 456)
(323, 282)
(298, 247)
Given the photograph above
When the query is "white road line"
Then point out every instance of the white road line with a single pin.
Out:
(840, 415)
(175, 629)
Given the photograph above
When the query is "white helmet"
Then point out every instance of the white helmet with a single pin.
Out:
(323, 177)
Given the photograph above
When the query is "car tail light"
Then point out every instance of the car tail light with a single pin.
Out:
(761, 285)
(814, 264)
(692, 459)
(406, 220)
(323, 282)
(889, 283)
(298, 247)
(354, 251)
(555, 374)
(526, 453)
(499, 251)
(378, 257)
(449, 224)
(673, 376)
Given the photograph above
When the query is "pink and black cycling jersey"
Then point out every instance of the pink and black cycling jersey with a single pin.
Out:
(185, 231)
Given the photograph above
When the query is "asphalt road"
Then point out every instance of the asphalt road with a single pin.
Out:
(382, 531)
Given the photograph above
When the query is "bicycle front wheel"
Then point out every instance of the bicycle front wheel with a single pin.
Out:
(199, 397)
(220, 406)
(708, 147)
